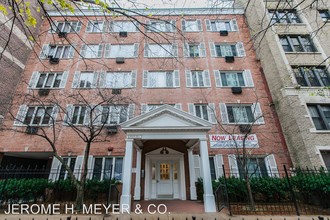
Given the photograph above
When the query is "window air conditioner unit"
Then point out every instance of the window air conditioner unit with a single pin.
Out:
(223, 33)
(120, 60)
(236, 90)
(229, 59)
(43, 92)
(62, 34)
(123, 34)
(112, 129)
(245, 128)
(116, 91)
(31, 130)
(53, 60)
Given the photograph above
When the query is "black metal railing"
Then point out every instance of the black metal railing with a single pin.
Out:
(293, 191)
(19, 185)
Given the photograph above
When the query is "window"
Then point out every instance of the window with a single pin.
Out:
(204, 111)
(284, 16)
(118, 80)
(326, 158)
(212, 169)
(255, 167)
(311, 76)
(221, 25)
(56, 51)
(70, 161)
(241, 113)
(121, 50)
(85, 79)
(192, 25)
(115, 114)
(223, 50)
(233, 78)
(320, 115)
(128, 26)
(150, 107)
(95, 26)
(159, 79)
(106, 168)
(38, 115)
(325, 15)
(194, 50)
(297, 44)
(79, 115)
(92, 51)
(198, 78)
(161, 50)
(48, 80)
(161, 26)
(67, 27)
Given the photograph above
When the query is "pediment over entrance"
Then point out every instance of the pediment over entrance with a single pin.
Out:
(166, 117)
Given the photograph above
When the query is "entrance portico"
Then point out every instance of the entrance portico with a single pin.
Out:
(164, 142)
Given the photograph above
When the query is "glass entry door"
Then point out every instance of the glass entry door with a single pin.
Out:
(165, 179)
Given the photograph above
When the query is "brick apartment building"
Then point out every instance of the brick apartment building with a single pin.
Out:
(190, 91)
(294, 54)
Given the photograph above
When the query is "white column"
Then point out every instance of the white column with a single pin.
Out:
(137, 188)
(193, 194)
(209, 201)
(125, 199)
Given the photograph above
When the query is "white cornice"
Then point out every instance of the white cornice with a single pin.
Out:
(153, 12)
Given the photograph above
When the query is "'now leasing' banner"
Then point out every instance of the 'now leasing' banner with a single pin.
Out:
(233, 141)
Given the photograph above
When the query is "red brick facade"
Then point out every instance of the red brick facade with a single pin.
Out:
(269, 136)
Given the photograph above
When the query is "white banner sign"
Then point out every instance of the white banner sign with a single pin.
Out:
(233, 141)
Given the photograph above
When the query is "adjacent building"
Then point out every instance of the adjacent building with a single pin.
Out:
(14, 54)
(194, 84)
(294, 55)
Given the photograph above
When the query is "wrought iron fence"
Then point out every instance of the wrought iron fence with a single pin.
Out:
(26, 185)
(293, 191)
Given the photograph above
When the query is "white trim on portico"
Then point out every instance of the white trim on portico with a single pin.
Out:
(168, 123)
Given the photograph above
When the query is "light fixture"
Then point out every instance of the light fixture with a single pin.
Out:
(164, 151)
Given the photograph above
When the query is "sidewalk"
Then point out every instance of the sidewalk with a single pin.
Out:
(176, 216)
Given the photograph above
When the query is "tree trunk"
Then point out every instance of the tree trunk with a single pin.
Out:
(81, 187)
(80, 196)
(249, 192)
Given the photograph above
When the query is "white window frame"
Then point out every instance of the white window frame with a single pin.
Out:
(130, 84)
(240, 51)
(71, 111)
(162, 26)
(36, 76)
(49, 50)
(255, 109)
(200, 46)
(247, 78)
(232, 24)
(171, 52)
(113, 109)
(113, 167)
(23, 111)
(90, 75)
(197, 25)
(74, 26)
(133, 27)
(77, 79)
(210, 108)
(92, 54)
(109, 48)
(205, 78)
(147, 80)
(95, 26)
